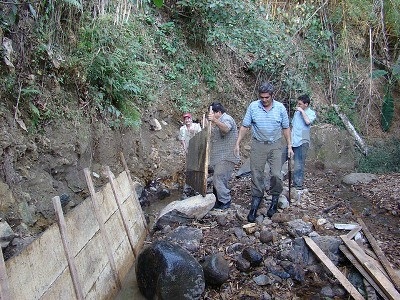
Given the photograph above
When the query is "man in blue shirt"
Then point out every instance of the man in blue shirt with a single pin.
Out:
(268, 120)
(301, 124)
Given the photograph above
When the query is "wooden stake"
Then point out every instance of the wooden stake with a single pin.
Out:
(121, 211)
(4, 285)
(136, 200)
(64, 238)
(207, 160)
(103, 232)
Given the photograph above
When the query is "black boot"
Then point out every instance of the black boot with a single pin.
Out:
(274, 206)
(255, 203)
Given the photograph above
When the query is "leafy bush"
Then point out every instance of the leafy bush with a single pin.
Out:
(384, 158)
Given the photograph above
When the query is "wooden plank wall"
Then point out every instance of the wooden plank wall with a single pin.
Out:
(41, 270)
(197, 162)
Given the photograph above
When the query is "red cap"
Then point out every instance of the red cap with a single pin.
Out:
(187, 115)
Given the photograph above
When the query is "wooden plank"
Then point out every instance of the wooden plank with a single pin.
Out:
(335, 271)
(135, 198)
(45, 258)
(362, 271)
(121, 211)
(372, 269)
(353, 232)
(197, 162)
(103, 232)
(4, 285)
(65, 241)
(382, 258)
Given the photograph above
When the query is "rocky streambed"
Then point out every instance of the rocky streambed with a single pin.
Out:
(269, 259)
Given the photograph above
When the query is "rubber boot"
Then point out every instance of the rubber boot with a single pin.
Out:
(255, 203)
(274, 205)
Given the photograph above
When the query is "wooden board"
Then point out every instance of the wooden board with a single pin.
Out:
(381, 256)
(197, 162)
(385, 284)
(353, 232)
(335, 271)
(362, 271)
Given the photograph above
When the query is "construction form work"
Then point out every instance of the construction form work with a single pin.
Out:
(87, 253)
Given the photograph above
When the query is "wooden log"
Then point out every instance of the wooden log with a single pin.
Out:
(4, 284)
(384, 283)
(362, 271)
(121, 211)
(67, 250)
(335, 271)
(135, 198)
(350, 128)
(381, 256)
(103, 232)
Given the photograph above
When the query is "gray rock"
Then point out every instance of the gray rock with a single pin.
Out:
(6, 234)
(327, 291)
(295, 270)
(216, 269)
(171, 218)
(355, 178)
(237, 247)
(332, 147)
(242, 264)
(187, 237)
(239, 232)
(330, 246)
(194, 207)
(266, 236)
(222, 220)
(166, 271)
(253, 256)
(299, 228)
(262, 280)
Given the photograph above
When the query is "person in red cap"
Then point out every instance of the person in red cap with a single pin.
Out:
(188, 130)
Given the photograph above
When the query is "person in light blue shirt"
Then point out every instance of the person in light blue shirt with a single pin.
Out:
(268, 120)
(300, 134)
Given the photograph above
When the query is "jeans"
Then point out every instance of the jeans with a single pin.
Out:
(222, 174)
(300, 154)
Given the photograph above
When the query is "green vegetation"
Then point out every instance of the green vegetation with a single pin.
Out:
(381, 158)
(121, 58)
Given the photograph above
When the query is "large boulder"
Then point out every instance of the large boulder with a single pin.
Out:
(331, 147)
(193, 207)
(166, 271)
